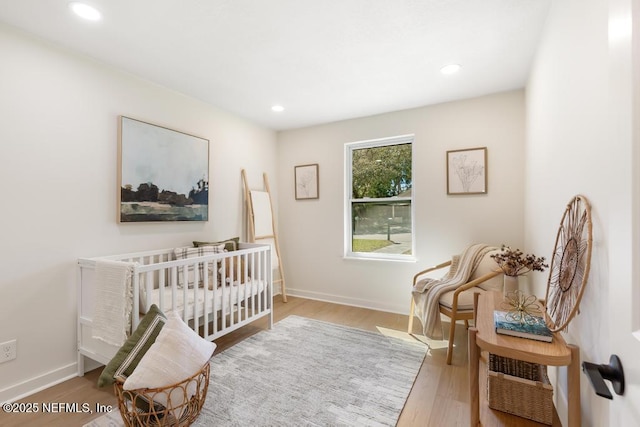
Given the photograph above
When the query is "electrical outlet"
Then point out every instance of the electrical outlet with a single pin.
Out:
(8, 350)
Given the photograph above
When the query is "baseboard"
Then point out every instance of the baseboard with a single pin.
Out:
(355, 302)
(39, 383)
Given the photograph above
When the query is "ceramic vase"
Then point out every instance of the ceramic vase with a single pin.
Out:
(511, 284)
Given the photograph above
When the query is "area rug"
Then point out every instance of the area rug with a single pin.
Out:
(306, 372)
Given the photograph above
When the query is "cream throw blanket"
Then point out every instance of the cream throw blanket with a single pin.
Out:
(113, 301)
(427, 293)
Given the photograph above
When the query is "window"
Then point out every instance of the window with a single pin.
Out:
(378, 196)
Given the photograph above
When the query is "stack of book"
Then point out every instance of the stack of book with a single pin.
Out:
(534, 329)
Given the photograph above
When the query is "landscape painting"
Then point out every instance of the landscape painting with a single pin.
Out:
(164, 174)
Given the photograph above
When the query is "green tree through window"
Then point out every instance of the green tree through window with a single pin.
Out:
(380, 212)
(381, 171)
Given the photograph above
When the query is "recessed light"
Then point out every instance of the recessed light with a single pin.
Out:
(277, 108)
(85, 11)
(450, 69)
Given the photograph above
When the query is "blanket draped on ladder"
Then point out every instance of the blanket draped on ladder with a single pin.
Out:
(113, 301)
(427, 293)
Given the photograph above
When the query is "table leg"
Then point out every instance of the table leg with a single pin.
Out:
(573, 387)
(474, 379)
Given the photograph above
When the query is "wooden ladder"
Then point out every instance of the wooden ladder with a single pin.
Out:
(261, 225)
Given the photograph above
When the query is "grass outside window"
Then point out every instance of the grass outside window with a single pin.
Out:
(369, 245)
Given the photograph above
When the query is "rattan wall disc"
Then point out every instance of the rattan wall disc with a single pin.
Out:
(570, 263)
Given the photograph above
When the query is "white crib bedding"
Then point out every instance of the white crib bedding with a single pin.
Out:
(215, 298)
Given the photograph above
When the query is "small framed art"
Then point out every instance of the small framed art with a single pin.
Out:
(467, 171)
(306, 181)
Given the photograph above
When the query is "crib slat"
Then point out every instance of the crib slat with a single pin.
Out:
(196, 282)
(248, 287)
(205, 302)
(261, 259)
(256, 278)
(260, 278)
(136, 301)
(174, 287)
(216, 290)
(161, 288)
(236, 266)
(185, 280)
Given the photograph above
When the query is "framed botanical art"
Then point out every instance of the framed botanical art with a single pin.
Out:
(467, 171)
(306, 181)
(163, 174)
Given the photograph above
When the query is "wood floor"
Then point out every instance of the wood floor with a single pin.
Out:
(439, 396)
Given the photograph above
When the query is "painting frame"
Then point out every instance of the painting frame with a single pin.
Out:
(467, 171)
(306, 182)
(163, 174)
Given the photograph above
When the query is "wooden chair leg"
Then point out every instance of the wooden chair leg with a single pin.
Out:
(452, 334)
(412, 311)
(466, 323)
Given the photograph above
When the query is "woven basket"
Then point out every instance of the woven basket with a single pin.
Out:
(515, 368)
(140, 408)
(522, 397)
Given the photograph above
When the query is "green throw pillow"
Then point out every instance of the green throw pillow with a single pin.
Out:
(129, 355)
(230, 245)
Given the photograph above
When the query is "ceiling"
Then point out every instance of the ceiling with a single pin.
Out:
(323, 60)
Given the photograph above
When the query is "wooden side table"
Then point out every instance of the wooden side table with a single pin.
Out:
(483, 337)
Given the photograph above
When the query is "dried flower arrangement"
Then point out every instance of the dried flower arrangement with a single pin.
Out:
(516, 263)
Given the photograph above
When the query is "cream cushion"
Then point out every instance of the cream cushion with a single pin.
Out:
(465, 298)
(487, 265)
(177, 354)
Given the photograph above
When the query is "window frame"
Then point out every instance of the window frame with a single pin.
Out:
(348, 201)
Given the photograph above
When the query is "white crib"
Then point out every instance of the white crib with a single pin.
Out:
(237, 290)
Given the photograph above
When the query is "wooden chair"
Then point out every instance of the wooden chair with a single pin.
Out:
(458, 304)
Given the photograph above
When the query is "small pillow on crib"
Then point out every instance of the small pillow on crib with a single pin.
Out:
(230, 245)
(188, 252)
(177, 354)
(131, 352)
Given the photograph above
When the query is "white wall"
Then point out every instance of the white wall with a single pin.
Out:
(578, 141)
(58, 154)
(311, 231)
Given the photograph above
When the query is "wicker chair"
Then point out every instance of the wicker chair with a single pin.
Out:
(458, 304)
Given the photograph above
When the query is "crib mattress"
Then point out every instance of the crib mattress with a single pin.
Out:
(216, 299)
